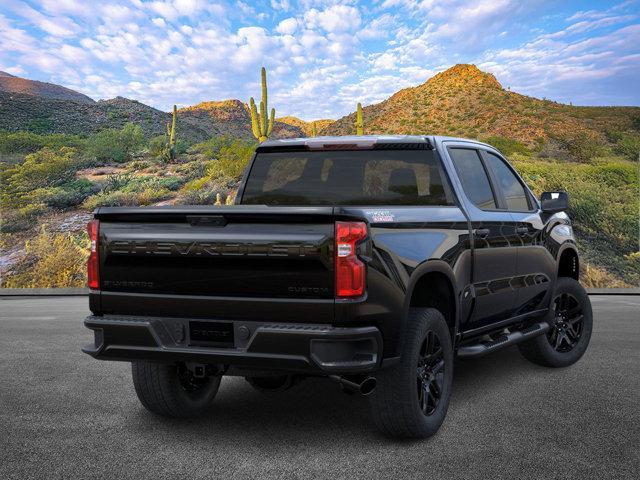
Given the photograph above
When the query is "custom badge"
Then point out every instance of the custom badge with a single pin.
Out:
(379, 216)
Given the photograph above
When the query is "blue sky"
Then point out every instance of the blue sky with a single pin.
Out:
(322, 56)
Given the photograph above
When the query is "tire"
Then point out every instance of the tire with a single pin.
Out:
(171, 391)
(397, 405)
(571, 322)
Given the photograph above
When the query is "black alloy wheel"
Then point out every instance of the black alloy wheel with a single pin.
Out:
(567, 328)
(430, 373)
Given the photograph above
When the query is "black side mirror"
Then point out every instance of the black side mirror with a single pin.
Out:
(553, 202)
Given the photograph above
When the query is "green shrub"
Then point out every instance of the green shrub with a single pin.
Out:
(116, 145)
(582, 146)
(507, 146)
(68, 195)
(24, 218)
(40, 125)
(157, 145)
(28, 142)
(124, 199)
(52, 261)
(629, 146)
(44, 169)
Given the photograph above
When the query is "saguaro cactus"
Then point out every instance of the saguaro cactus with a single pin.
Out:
(359, 125)
(171, 135)
(260, 124)
(314, 130)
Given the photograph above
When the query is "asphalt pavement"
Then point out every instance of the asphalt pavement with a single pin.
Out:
(65, 415)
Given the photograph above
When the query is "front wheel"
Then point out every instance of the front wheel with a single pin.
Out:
(571, 322)
(172, 390)
(412, 397)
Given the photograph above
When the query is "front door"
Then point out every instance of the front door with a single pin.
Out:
(535, 265)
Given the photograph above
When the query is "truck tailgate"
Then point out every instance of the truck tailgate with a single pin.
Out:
(250, 253)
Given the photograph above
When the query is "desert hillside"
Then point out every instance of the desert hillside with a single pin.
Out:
(306, 127)
(231, 117)
(464, 101)
(27, 105)
(12, 84)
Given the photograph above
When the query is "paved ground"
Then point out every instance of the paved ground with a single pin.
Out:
(64, 415)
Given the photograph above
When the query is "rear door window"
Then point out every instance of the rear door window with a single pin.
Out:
(473, 177)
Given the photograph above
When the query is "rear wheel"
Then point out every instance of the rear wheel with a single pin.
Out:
(173, 390)
(412, 398)
(571, 324)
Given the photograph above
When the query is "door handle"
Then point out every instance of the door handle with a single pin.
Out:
(522, 230)
(481, 232)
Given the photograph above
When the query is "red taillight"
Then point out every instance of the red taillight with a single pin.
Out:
(93, 276)
(350, 271)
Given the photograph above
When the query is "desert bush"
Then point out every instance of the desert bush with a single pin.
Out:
(507, 146)
(126, 198)
(157, 145)
(52, 261)
(603, 197)
(24, 218)
(594, 277)
(68, 195)
(232, 160)
(28, 142)
(629, 146)
(116, 145)
(45, 168)
(581, 146)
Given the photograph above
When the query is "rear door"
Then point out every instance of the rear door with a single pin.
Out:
(535, 265)
(493, 235)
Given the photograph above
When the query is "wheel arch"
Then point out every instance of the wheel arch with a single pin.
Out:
(568, 261)
(421, 293)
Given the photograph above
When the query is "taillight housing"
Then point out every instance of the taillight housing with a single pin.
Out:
(93, 263)
(350, 271)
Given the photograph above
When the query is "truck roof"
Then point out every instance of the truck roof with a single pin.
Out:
(363, 141)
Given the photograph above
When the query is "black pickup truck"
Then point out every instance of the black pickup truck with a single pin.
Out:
(370, 260)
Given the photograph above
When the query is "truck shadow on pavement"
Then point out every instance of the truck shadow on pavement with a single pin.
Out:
(316, 410)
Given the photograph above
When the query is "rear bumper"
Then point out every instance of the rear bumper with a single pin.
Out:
(291, 347)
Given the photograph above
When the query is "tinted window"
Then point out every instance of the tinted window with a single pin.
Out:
(513, 190)
(473, 177)
(361, 177)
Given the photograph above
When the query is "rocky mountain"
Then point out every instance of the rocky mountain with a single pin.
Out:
(231, 117)
(464, 101)
(47, 108)
(19, 111)
(16, 85)
(304, 126)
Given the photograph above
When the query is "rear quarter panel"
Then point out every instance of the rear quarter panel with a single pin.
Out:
(402, 241)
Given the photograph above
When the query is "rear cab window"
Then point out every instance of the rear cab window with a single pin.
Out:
(355, 177)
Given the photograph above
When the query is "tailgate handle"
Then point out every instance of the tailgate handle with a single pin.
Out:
(207, 220)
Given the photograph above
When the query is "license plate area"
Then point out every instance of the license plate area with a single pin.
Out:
(211, 334)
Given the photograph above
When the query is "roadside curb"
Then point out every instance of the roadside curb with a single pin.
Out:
(69, 292)
(35, 292)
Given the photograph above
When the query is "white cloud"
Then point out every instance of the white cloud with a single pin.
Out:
(287, 26)
(335, 19)
(280, 5)
(56, 26)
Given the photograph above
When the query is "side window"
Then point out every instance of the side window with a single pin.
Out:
(512, 189)
(473, 177)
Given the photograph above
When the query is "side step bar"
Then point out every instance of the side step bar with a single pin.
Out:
(480, 349)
